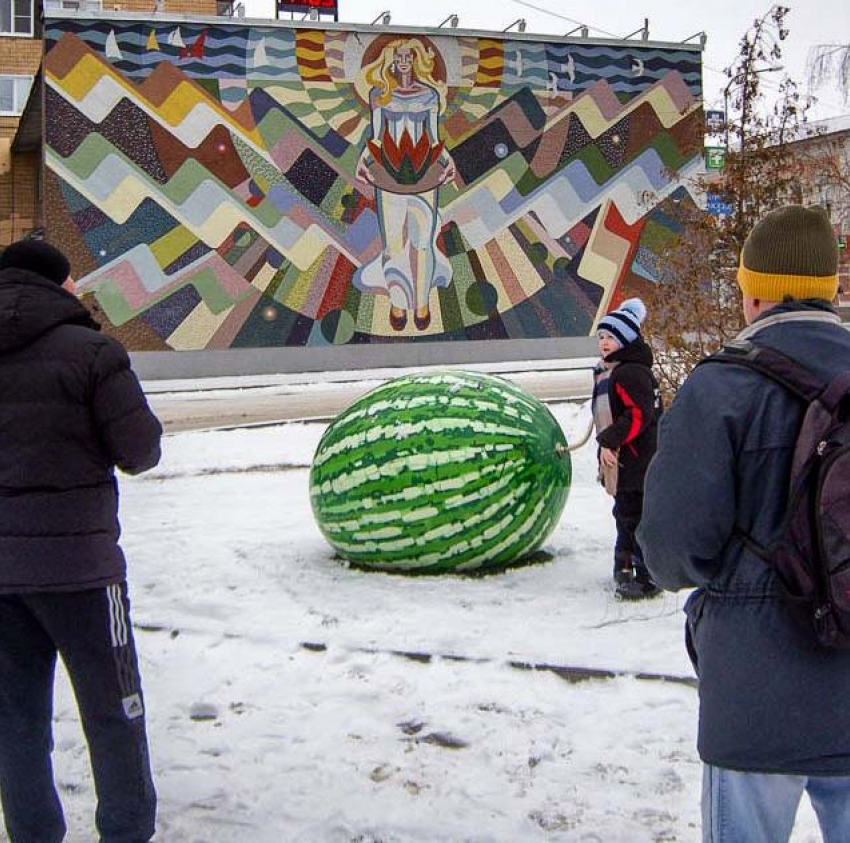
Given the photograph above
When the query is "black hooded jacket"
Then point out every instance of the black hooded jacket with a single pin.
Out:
(636, 408)
(71, 410)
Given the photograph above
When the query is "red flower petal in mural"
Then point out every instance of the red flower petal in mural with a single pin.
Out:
(406, 161)
(375, 149)
(418, 153)
(391, 152)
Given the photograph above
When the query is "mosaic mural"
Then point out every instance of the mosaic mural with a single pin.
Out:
(241, 187)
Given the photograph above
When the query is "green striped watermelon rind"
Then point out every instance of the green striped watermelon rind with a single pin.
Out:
(495, 475)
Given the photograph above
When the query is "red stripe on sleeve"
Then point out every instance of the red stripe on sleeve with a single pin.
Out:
(637, 415)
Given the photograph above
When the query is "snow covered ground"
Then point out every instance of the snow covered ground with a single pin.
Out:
(257, 738)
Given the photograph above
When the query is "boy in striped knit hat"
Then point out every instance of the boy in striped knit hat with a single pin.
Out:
(626, 406)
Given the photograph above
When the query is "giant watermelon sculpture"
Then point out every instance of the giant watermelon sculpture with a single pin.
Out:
(440, 472)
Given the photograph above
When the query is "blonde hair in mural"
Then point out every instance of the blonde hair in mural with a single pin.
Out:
(379, 73)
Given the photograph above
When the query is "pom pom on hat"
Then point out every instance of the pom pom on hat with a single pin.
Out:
(39, 257)
(624, 323)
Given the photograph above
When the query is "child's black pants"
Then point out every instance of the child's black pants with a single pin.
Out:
(628, 508)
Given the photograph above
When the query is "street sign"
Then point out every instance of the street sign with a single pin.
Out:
(715, 205)
(715, 121)
(714, 157)
(323, 7)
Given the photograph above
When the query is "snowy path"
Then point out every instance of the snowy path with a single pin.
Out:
(203, 405)
(257, 739)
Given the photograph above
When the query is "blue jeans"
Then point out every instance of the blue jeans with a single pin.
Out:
(760, 807)
(91, 631)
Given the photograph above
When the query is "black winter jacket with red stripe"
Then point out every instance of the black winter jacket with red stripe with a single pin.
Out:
(636, 407)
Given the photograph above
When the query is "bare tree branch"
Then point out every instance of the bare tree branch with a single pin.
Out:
(696, 306)
(828, 62)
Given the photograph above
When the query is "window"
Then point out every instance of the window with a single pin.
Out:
(14, 91)
(16, 17)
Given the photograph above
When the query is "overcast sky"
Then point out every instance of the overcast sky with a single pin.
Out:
(810, 21)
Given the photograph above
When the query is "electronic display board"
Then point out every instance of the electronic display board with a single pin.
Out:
(323, 7)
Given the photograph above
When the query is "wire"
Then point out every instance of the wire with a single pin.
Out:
(775, 86)
(546, 11)
(835, 49)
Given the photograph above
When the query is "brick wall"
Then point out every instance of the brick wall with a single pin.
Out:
(19, 55)
(18, 178)
(175, 7)
(20, 207)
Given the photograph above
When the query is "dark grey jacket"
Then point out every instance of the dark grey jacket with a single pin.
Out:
(771, 698)
(71, 410)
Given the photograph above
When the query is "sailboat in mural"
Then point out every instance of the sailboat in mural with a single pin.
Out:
(260, 56)
(196, 51)
(153, 44)
(112, 49)
(175, 39)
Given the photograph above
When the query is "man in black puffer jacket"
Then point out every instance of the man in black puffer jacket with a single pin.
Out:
(71, 410)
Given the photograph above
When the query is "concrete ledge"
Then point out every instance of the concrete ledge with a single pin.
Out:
(164, 365)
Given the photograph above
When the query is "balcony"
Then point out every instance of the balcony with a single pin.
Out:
(72, 5)
(229, 9)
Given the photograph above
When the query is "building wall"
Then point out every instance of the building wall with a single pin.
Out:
(826, 181)
(240, 191)
(20, 206)
(198, 8)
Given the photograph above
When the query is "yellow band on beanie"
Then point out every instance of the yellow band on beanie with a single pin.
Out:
(774, 286)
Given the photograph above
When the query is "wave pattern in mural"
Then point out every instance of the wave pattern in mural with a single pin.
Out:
(236, 187)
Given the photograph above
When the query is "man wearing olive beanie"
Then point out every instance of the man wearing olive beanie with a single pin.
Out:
(773, 717)
(71, 411)
(792, 252)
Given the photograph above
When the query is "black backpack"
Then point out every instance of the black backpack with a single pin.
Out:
(812, 553)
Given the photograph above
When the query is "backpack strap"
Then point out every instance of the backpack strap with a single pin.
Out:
(837, 391)
(775, 365)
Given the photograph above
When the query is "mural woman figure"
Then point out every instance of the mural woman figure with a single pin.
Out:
(406, 164)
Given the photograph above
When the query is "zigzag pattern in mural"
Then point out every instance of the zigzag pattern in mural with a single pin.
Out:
(212, 192)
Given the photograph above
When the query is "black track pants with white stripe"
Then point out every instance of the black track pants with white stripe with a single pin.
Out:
(91, 632)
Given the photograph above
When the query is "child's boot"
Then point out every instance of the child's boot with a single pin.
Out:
(643, 580)
(623, 572)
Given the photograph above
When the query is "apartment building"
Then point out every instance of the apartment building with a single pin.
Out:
(20, 58)
(823, 151)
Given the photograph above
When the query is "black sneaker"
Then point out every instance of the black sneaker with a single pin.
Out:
(637, 590)
(623, 569)
(642, 577)
(627, 591)
(622, 576)
(649, 588)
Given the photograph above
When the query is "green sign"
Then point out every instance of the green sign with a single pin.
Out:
(842, 241)
(714, 157)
